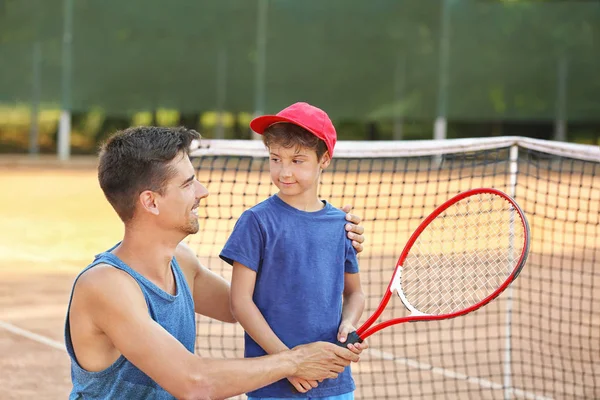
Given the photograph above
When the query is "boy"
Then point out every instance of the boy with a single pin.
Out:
(287, 287)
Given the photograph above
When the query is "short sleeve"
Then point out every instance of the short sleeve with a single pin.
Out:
(351, 263)
(245, 245)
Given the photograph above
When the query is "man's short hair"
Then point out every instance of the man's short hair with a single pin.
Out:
(290, 135)
(136, 159)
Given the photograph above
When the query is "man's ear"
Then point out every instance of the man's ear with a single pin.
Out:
(325, 160)
(148, 202)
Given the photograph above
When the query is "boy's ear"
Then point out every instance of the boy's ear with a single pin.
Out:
(325, 160)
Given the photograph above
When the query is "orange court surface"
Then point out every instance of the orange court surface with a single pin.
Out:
(53, 219)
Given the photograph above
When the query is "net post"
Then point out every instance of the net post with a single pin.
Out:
(560, 122)
(221, 75)
(261, 60)
(34, 145)
(507, 378)
(64, 129)
(439, 134)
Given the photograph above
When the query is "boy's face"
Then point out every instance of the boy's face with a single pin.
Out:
(296, 170)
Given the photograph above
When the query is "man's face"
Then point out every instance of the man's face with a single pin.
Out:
(181, 198)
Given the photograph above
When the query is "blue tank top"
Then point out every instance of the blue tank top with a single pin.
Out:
(123, 380)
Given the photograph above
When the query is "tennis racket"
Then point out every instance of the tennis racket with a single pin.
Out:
(460, 258)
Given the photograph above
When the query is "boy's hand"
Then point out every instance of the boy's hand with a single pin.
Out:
(302, 385)
(344, 330)
(355, 231)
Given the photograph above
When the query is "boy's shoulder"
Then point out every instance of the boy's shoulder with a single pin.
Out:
(264, 206)
(331, 209)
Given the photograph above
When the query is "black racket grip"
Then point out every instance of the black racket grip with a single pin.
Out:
(352, 338)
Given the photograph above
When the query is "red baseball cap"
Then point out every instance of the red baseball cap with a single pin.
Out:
(311, 118)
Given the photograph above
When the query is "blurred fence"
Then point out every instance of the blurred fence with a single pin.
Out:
(375, 60)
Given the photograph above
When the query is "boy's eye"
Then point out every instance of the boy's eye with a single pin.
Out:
(298, 161)
(274, 159)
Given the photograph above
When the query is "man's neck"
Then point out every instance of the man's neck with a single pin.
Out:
(150, 254)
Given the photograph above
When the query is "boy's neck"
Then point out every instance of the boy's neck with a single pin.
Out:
(309, 205)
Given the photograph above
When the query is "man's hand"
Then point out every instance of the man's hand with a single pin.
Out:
(321, 360)
(355, 231)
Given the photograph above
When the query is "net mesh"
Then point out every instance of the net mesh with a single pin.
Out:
(463, 256)
(540, 339)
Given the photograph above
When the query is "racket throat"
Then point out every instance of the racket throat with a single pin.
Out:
(396, 286)
(395, 283)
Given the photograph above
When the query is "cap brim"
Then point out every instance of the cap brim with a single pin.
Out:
(260, 124)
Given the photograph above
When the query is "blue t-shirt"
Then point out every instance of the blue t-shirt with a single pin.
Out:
(300, 259)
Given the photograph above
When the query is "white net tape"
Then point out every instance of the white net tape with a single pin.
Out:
(416, 148)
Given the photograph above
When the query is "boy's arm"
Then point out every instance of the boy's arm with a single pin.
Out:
(354, 304)
(247, 313)
(249, 316)
(102, 294)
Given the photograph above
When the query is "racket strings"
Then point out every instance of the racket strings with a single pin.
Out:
(463, 255)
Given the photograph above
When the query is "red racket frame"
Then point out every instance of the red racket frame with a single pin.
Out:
(366, 330)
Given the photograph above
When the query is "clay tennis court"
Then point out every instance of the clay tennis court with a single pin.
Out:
(54, 218)
(52, 221)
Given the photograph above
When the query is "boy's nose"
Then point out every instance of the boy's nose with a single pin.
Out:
(286, 171)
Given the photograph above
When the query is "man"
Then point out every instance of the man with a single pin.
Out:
(130, 328)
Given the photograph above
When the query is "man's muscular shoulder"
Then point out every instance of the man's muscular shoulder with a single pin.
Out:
(103, 275)
(104, 282)
(187, 260)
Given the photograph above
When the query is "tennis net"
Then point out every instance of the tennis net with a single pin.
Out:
(539, 340)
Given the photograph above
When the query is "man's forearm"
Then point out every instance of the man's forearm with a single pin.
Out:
(221, 378)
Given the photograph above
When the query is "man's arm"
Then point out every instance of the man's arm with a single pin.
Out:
(118, 310)
(211, 292)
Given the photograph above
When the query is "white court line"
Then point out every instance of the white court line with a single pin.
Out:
(452, 374)
(33, 336)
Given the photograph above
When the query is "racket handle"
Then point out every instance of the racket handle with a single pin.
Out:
(352, 338)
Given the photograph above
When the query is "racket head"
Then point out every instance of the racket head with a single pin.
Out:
(462, 256)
